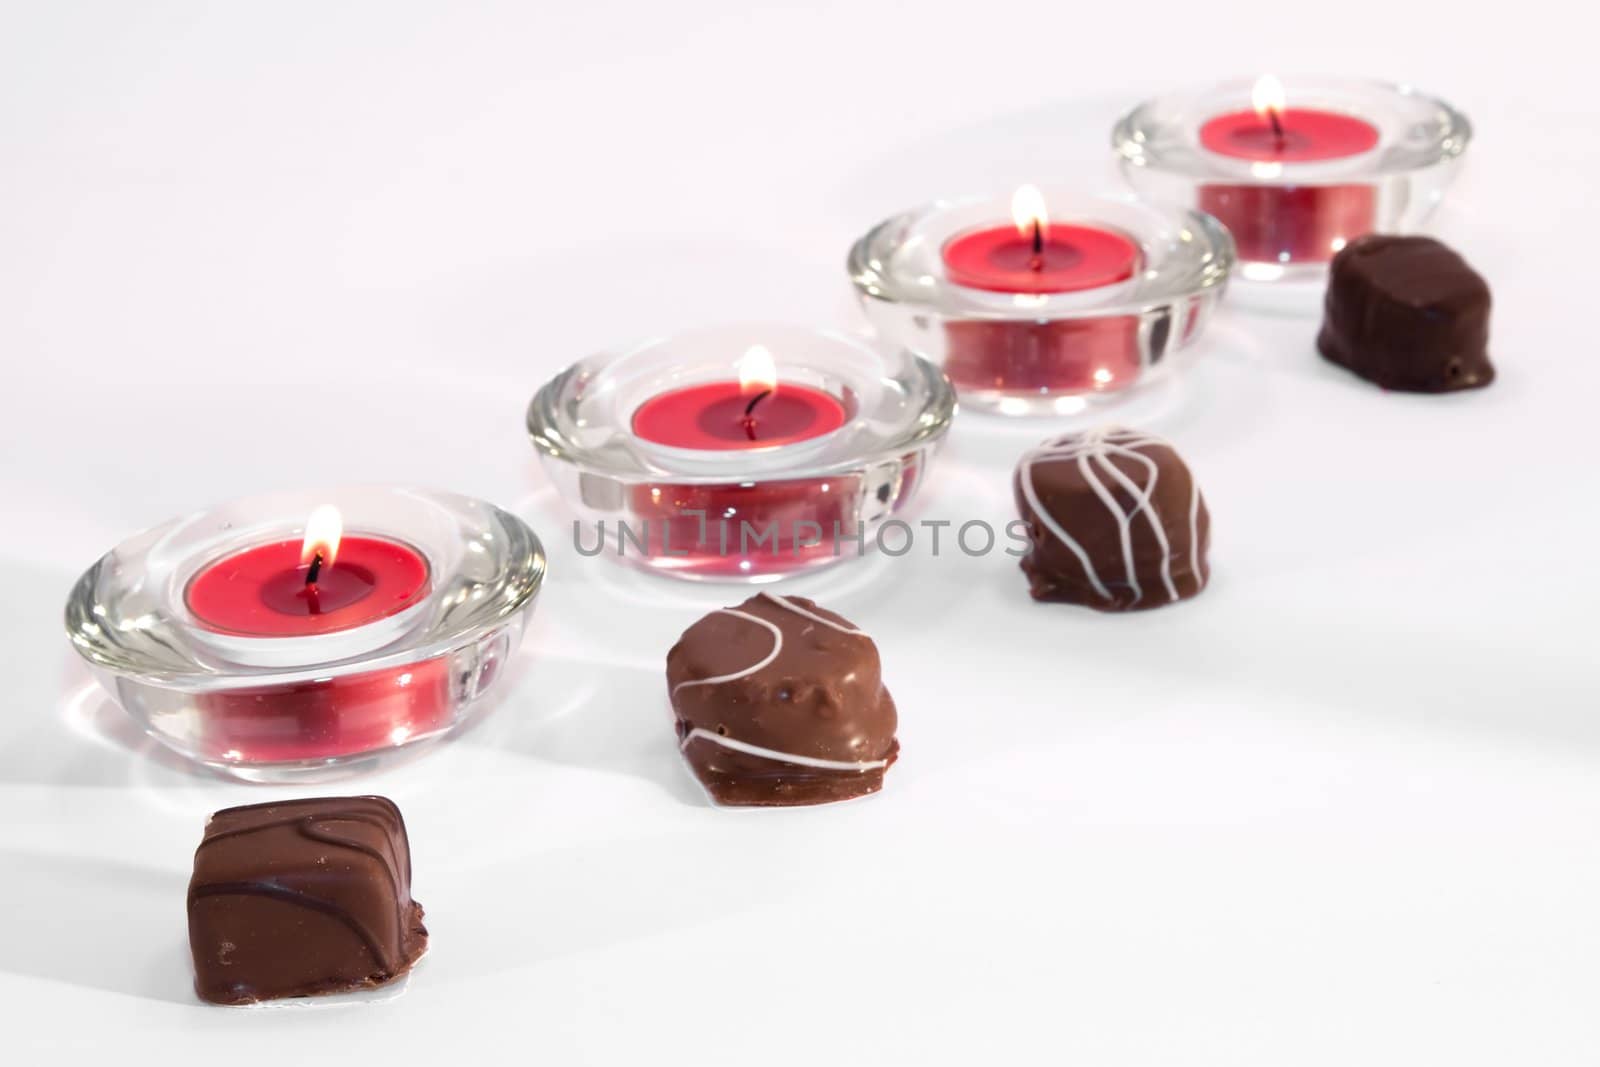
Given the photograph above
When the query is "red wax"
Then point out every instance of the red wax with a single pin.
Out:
(1309, 135)
(328, 717)
(712, 416)
(1063, 357)
(787, 525)
(1286, 222)
(1291, 223)
(1071, 258)
(262, 591)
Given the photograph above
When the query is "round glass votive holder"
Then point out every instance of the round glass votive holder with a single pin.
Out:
(748, 514)
(1288, 218)
(1044, 353)
(313, 706)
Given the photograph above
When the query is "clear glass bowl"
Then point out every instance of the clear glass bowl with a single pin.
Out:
(751, 514)
(1289, 218)
(281, 709)
(1049, 353)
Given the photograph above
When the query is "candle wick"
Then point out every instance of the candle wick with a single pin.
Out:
(1277, 125)
(749, 419)
(1037, 262)
(314, 571)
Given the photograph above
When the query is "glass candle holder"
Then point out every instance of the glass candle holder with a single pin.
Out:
(676, 461)
(1141, 282)
(1295, 169)
(206, 630)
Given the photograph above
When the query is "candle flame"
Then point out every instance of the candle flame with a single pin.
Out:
(1028, 210)
(1267, 97)
(324, 528)
(758, 372)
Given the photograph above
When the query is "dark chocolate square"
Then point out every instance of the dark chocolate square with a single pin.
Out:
(301, 898)
(1407, 313)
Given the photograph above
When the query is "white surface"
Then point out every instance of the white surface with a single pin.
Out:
(1340, 809)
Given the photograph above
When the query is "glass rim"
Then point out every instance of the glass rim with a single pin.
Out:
(1199, 256)
(213, 661)
(901, 402)
(1418, 130)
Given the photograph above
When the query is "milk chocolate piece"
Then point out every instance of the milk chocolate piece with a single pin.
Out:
(1407, 313)
(781, 702)
(302, 898)
(1115, 521)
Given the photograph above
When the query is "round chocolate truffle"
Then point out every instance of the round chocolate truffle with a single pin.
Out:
(781, 702)
(1115, 521)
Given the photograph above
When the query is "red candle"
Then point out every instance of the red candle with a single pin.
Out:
(744, 524)
(321, 589)
(730, 416)
(1058, 356)
(765, 527)
(1044, 258)
(1300, 135)
(1288, 221)
(322, 719)
(263, 592)
(1035, 256)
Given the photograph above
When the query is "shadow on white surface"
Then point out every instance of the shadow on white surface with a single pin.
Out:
(81, 737)
(597, 715)
(595, 893)
(69, 931)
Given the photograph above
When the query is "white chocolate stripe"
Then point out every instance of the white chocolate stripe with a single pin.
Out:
(1124, 534)
(1061, 535)
(1065, 452)
(746, 747)
(777, 639)
(1098, 446)
(777, 646)
(1194, 534)
(782, 757)
(785, 602)
(1145, 504)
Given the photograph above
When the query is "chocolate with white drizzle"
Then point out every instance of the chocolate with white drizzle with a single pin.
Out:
(781, 702)
(1115, 521)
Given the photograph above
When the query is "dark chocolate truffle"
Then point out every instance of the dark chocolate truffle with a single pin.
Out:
(1407, 313)
(781, 702)
(1115, 521)
(302, 898)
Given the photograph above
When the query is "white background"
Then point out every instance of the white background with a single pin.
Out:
(1340, 809)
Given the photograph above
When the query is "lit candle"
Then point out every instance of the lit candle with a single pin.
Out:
(321, 583)
(1295, 169)
(1270, 131)
(272, 647)
(746, 452)
(755, 411)
(762, 421)
(1033, 256)
(319, 598)
(1286, 217)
